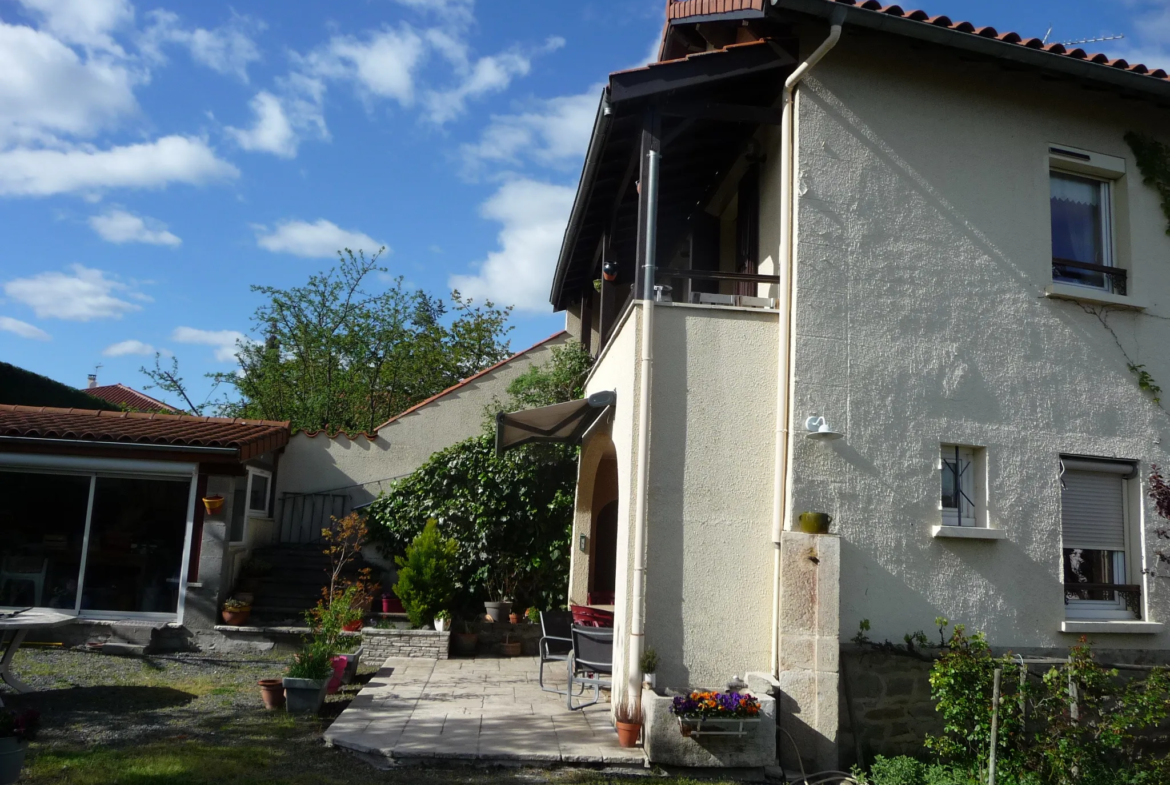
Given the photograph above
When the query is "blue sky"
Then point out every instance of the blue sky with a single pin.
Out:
(157, 159)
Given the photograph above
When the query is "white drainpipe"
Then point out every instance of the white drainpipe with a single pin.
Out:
(637, 600)
(780, 491)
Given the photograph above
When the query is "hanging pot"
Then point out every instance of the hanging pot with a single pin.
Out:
(213, 504)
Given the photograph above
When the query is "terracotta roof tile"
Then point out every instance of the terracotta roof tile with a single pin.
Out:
(249, 437)
(122, 395)
(680, 9)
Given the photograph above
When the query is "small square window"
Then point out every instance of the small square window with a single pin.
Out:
(961, 489)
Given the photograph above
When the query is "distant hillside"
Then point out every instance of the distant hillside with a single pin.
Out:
(31, 389)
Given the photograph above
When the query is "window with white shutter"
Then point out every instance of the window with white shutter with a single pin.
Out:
(1093, 522)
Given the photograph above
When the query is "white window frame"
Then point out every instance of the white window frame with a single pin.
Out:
(249, 511)
(1106, 170)
(1115, 609)
(968, 514)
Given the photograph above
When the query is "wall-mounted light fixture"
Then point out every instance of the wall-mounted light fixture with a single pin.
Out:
(584, 544)
(819, 429)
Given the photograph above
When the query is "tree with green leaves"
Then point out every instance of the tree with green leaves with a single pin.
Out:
(339, 353)
(510, 512)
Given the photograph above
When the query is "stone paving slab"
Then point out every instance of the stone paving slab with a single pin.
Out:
(484, 709)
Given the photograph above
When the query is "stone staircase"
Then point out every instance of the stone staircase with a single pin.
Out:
(293, 586)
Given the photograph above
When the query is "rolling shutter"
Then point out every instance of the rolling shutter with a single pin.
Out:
(1092, 510)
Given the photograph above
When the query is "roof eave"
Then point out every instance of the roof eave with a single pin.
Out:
(989, 47)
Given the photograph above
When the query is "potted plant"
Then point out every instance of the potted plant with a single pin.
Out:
(728, 712)
(501, 585)
(442, 619)
(649, 664)
(466, 640)
(236, 612)
(629, 723)
(272, 693)
(509, 648)
(17, 729)
(352, 659)
(533, 615)
(307, 679)
(213, 504)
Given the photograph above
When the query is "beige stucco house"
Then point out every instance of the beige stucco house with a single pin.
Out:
(890, 267)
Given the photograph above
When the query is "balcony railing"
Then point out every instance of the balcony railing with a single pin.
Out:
(1130, 592)
(1067, 268)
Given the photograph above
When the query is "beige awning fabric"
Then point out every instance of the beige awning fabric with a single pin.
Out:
(561, 422)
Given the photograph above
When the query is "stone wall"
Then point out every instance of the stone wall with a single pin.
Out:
(885, 699)
(381, 644)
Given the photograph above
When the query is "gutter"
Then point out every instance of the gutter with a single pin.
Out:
(781, 487)
(601, 125)
(855, 16)
(90, 443)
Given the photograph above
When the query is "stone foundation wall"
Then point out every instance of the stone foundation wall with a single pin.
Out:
(380, 644)
(885, 700)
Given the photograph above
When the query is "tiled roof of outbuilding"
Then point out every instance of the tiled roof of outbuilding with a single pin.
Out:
(122, 395)
(249, 437)
(681, 9)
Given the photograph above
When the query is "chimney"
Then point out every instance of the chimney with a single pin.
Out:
(92, 381)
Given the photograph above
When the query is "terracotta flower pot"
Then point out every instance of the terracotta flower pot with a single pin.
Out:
(236, 618)
(353, 626)
(628, 733)
(272, 692)
(213, 504)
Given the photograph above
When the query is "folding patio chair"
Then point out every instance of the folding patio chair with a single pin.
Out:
(556, 642)
(590, 662)
(584, 616)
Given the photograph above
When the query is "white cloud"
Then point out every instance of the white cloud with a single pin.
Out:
(46, 88)
(88, 23)
(457, 11)
(490, 74)
(120, 226)
(319, 240)
(227, 49)
(533, 215)
(224, 341)
(86, 294)
(554, 132)
(271, 132)
(123, 348)
(383, 64)
(171, 159)
(1148, 42)
(23, 329)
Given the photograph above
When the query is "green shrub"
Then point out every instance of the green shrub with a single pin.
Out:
(313, 661)
(426, 575)
(901, 770)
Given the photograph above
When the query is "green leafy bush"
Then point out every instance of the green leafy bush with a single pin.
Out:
(313, 661)
(425, 575)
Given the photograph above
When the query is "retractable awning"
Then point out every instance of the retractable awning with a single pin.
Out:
(561, 422)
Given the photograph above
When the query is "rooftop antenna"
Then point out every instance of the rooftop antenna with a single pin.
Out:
(1045, 38)
(1093, 40)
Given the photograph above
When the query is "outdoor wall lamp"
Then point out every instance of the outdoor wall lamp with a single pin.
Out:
(819, 429)
(584, 544)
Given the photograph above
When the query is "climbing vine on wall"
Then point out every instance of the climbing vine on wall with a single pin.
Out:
(1145, 381)
(1153, 159)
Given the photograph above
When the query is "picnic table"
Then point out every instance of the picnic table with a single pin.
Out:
(14, 626)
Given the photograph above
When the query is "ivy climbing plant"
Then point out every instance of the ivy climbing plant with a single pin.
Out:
(1153, 160)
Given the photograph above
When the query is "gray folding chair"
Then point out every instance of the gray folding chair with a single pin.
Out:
(556, 643)
(590, 662)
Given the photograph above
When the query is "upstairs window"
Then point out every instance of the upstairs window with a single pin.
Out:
(1093, 519)
(1081, 189)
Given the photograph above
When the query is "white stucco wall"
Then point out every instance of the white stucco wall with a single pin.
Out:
(364, 466)
(923, 256)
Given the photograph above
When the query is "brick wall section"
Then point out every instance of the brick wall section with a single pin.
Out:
(890, 701)
(381, 644)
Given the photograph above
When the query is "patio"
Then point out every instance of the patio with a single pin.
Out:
(481, 709)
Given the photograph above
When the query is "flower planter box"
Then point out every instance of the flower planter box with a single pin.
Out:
(351, 664)
(304, 696)
(698, 727)
(11, 759)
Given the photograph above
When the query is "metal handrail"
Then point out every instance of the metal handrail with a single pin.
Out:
(717, 275)
(1117, 275)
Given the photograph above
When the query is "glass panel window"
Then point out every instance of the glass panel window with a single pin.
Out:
(958, 486)
(1080, 229)
(42, 532)
(258, 487)
(1094, 542)
(136, 545)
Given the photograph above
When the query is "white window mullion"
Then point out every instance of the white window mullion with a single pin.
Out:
(85, 544)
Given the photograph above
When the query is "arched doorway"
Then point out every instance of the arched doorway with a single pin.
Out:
(603, 534)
